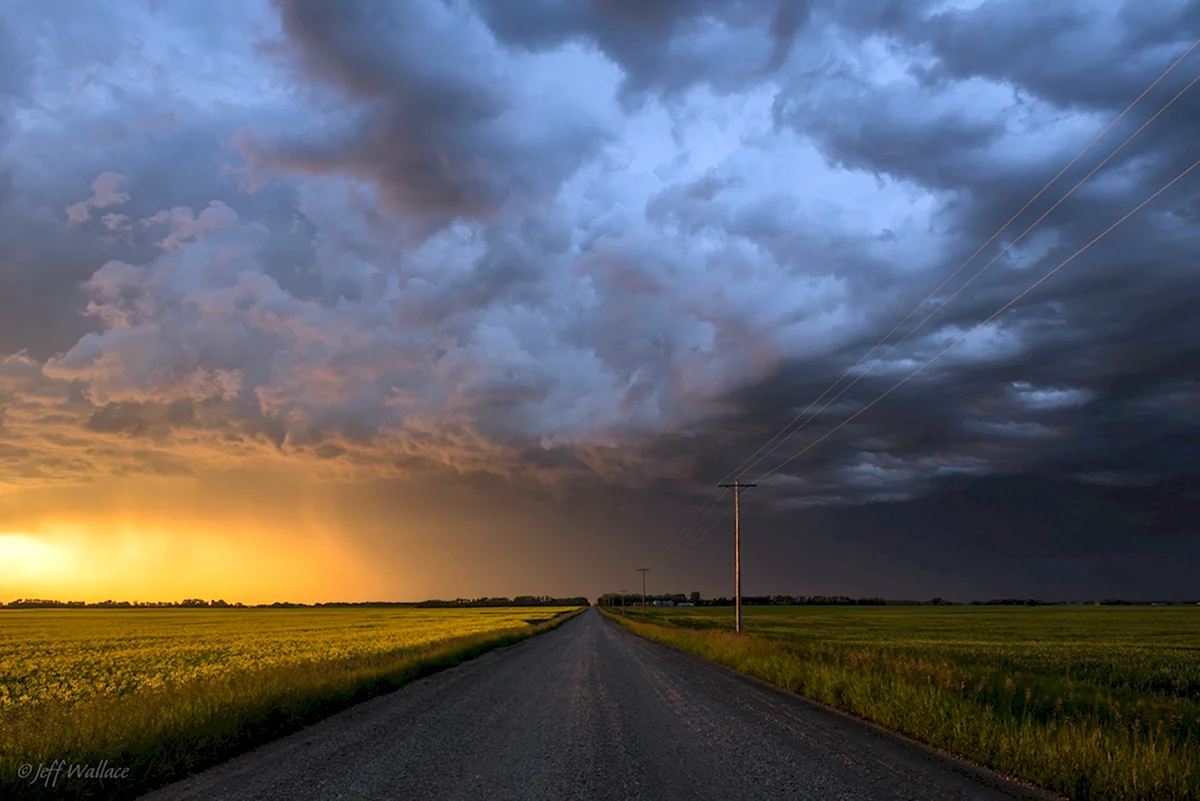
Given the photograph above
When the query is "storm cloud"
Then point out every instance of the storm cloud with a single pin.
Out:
(588, 246)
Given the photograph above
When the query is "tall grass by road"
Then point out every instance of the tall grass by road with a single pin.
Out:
(1090, 702)
(160, 694)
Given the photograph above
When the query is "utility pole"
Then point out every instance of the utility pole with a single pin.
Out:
(737, 488)
(622, 602)
(643, 572)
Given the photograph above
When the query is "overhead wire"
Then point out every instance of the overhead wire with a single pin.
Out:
(683, 546)
(775, 441)
(978, 273)
(980, 325)
(759, 455)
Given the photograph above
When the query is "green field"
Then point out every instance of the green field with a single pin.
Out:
(1092, 702)
(167, 692)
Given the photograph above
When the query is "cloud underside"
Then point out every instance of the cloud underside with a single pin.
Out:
(599, 243)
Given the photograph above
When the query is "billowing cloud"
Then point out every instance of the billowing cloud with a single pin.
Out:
(105, 192)
(600, 244)
(442, 132)
(665, 48)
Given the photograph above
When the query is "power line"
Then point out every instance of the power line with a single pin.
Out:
(706, 508)
(685, 544)
(754, 461)
(990, 317)
(775, 441)
(971, 280)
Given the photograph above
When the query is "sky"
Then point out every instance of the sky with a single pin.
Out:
(380, 300)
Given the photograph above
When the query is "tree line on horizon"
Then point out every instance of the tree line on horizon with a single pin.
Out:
(694, 598)
(615, 599)
(192, 603)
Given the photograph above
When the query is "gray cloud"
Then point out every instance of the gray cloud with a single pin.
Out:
(946, 130)
(602, 245)
(662, 48)
(1074, 56)
(443, 132)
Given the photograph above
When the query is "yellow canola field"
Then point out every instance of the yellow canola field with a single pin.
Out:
(56, 656)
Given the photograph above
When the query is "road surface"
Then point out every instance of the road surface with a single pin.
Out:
(590, 711)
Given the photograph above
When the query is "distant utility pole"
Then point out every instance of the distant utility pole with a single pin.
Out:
(622, 602)
(643, 572)
(737, 488)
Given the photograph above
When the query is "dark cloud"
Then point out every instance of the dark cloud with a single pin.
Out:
(14, 71)
(792, 15)
(665, 47)
(1073, 55)
(1008, 536)
(439, 131)
(610, 246)
(1088, 330)
(141, 419)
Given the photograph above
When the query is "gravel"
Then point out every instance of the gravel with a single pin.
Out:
(591, 711)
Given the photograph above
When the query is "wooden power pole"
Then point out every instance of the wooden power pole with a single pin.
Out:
(643, 571)
(737, 488)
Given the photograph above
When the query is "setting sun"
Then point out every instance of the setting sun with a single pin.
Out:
(343, 342)
(123, 562)
(33, 558)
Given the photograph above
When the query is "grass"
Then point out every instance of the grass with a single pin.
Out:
(1089, 702)
(165, 693)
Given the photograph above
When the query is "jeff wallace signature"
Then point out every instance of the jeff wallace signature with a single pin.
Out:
(48, 774)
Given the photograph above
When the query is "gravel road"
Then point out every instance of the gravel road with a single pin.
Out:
(590, 711)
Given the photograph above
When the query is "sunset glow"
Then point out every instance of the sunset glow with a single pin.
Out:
(103, 561)
(316, 301)
(451, 398)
